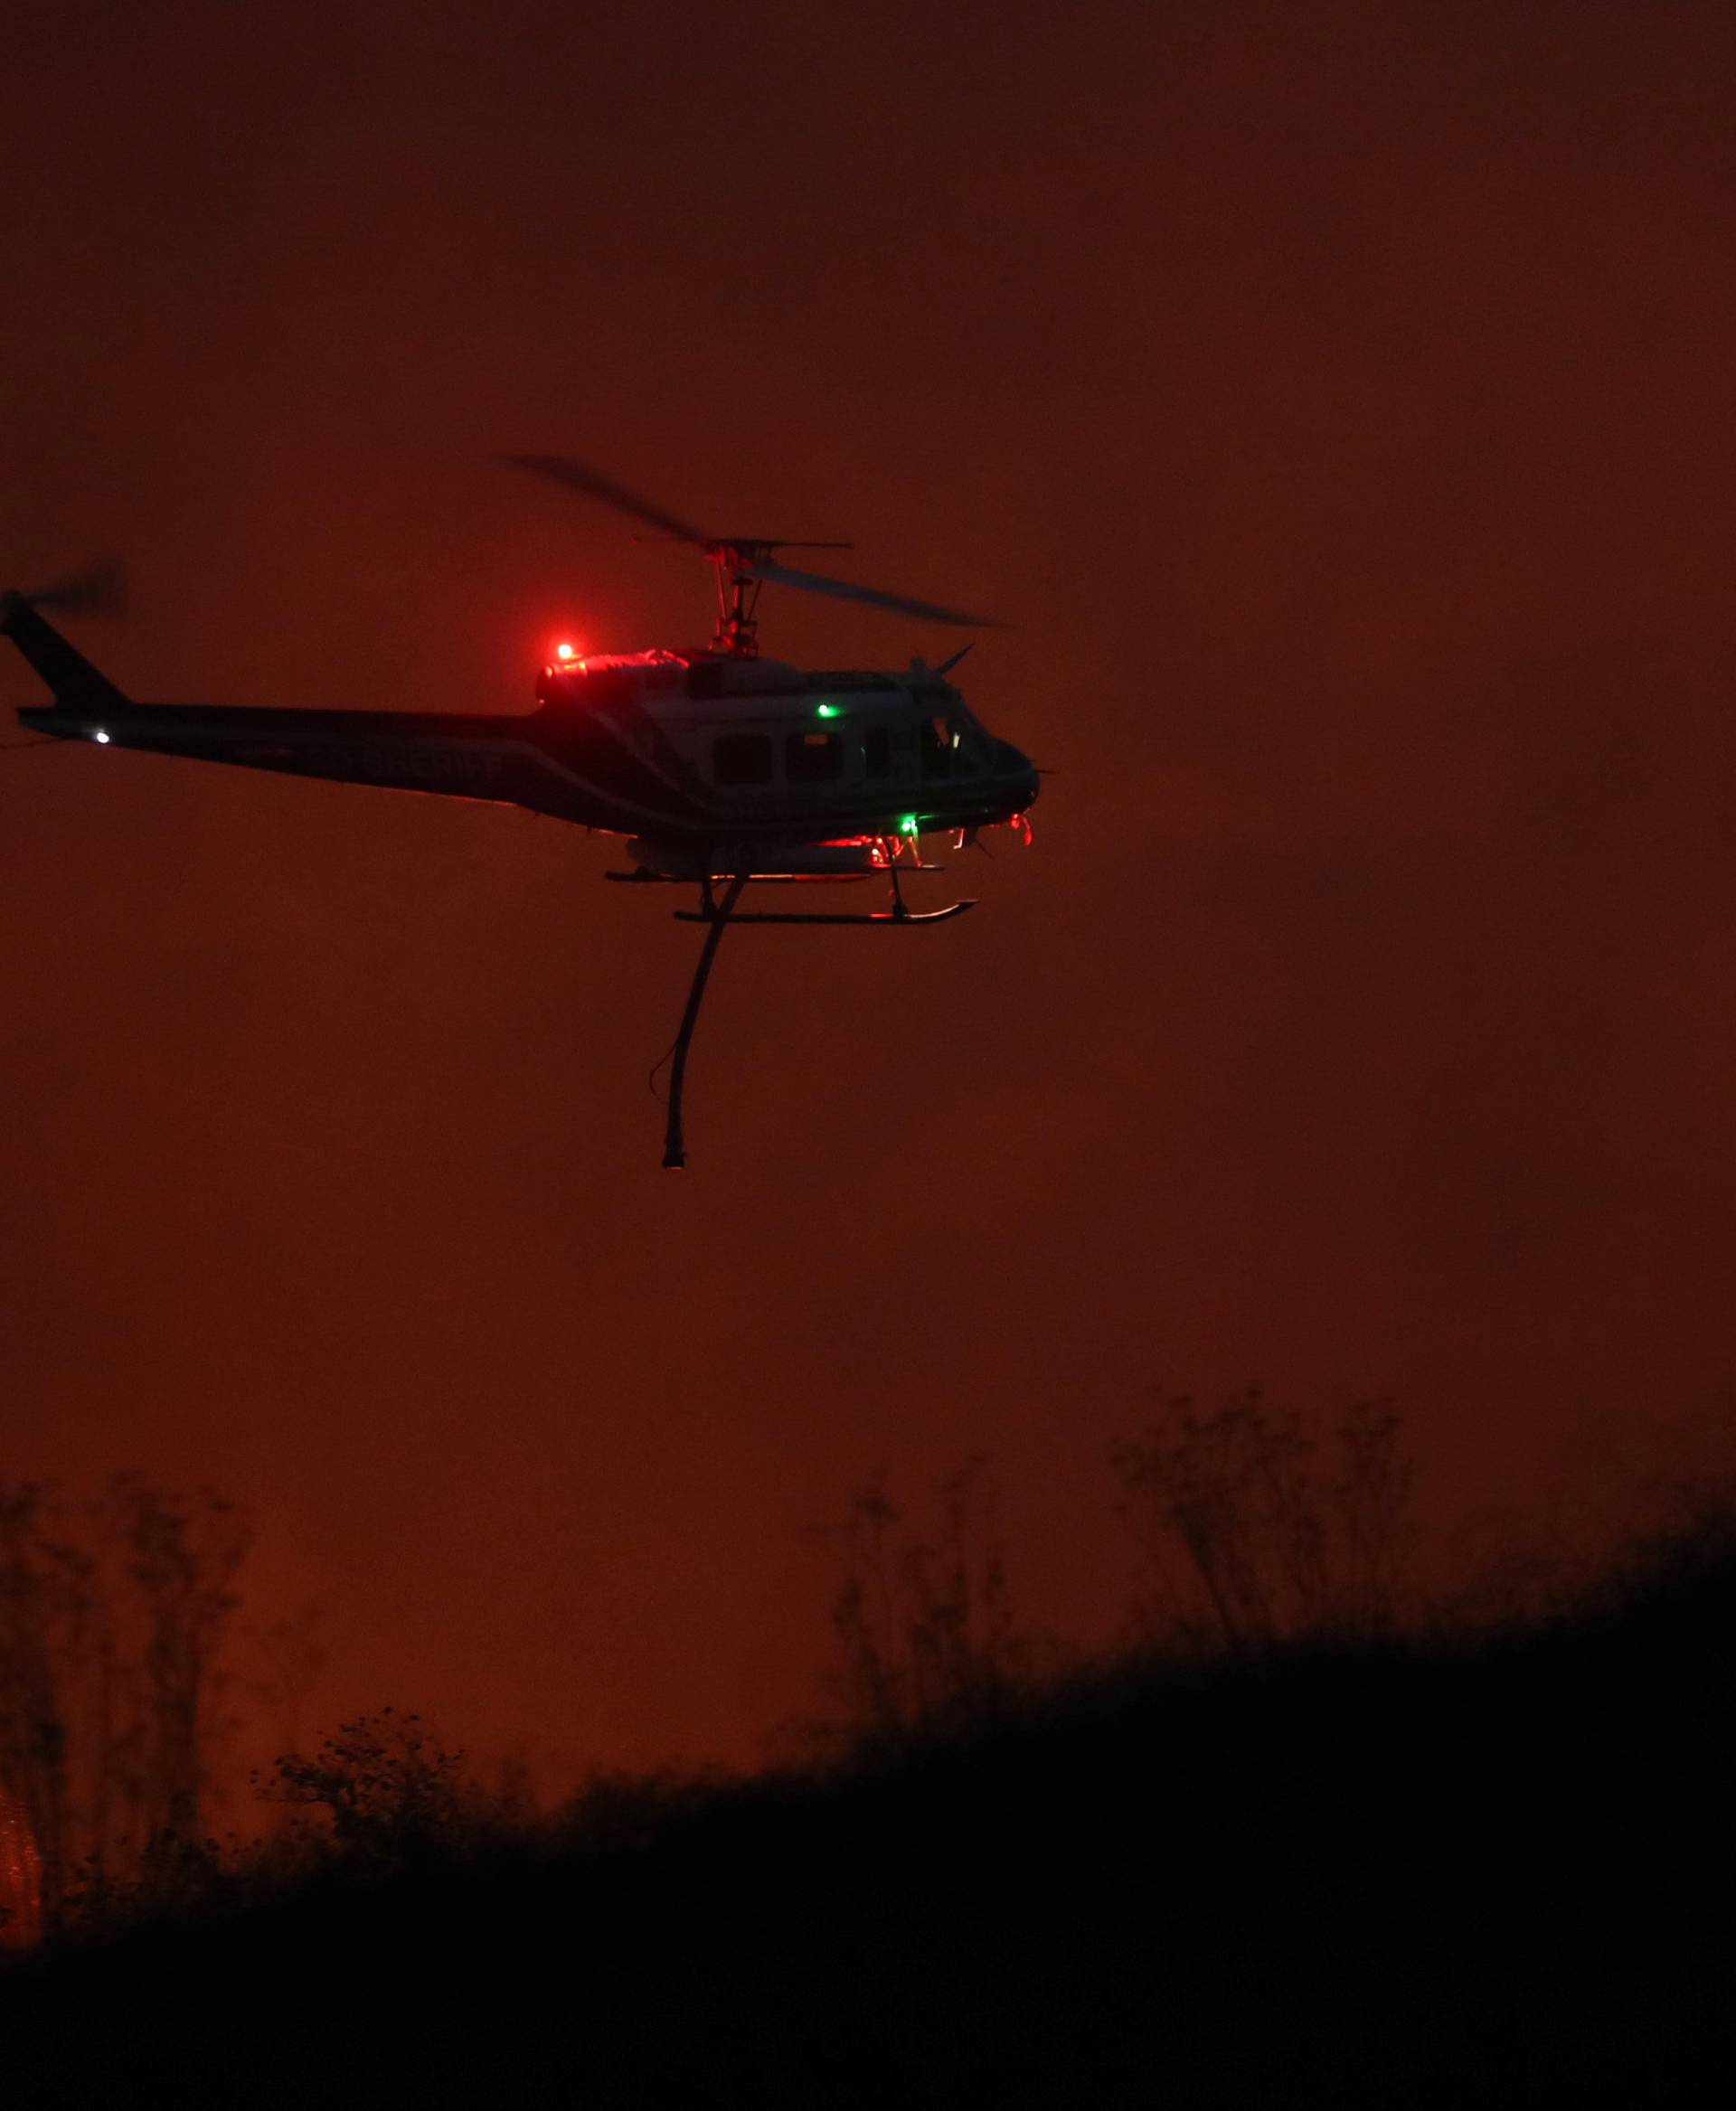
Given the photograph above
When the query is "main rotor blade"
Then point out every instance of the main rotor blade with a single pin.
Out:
(100, 589)
(577, 476)
(812, 582)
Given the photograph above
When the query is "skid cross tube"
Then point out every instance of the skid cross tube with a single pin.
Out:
(675, 1150)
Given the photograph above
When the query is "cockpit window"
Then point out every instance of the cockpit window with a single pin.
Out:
(813, 758)
(877, 752)
(935, 740)
(948, 748)
(741, 759)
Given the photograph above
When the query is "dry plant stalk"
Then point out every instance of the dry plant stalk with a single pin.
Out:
(1259, 1523)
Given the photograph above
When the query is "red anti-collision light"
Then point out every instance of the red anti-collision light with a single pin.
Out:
(566, 651)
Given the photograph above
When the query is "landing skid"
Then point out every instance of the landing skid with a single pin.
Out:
(878, 916)
(641, 878)
(717, 916)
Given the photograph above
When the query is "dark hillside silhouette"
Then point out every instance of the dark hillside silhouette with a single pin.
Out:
(1472, 1869)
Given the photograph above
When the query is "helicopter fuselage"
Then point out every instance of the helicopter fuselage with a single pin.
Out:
(686, 752)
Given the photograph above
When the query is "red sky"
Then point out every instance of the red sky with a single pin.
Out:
(1338, 397)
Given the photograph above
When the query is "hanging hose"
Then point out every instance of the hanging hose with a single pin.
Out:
(674, 1152)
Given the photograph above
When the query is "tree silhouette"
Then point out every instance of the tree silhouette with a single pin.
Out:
(389, 1787)
(111, 1618)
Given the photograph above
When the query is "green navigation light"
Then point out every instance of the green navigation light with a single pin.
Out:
(828, 711)
(907, 825)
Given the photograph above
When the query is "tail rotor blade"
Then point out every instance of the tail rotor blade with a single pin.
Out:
(100, 589)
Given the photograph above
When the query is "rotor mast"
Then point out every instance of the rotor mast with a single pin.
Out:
(739, 563)
(737, 636)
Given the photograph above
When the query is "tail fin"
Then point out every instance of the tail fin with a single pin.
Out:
(77, 687)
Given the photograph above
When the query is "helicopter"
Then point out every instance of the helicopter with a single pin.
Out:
(721, 768)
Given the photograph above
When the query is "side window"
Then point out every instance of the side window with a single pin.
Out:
(934, 737)
(811, 758)
(877, 752)
(741, 759)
